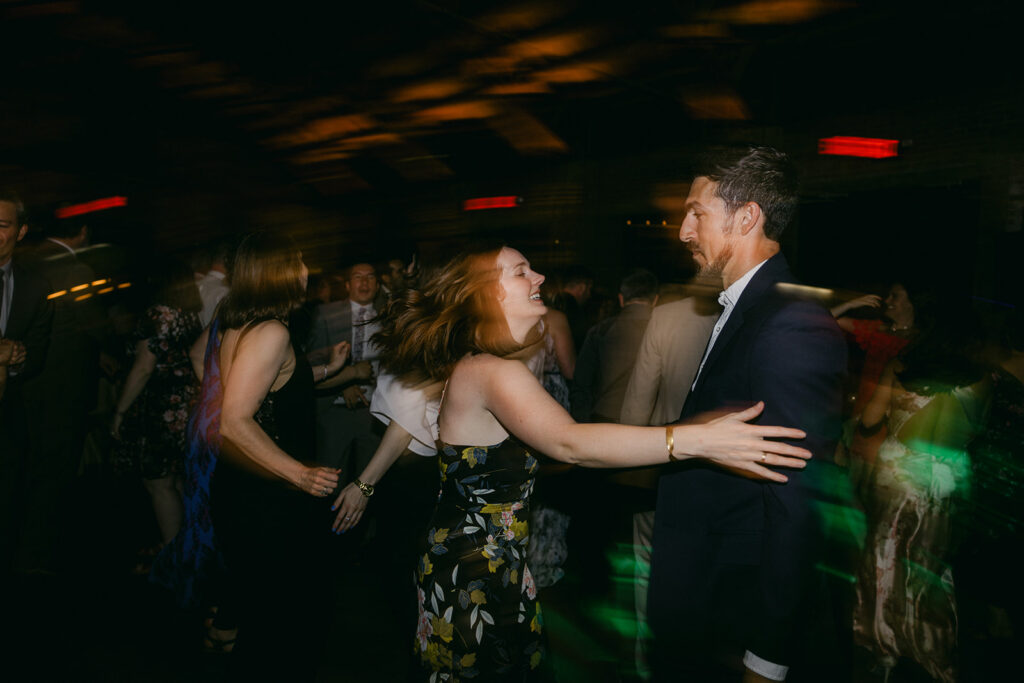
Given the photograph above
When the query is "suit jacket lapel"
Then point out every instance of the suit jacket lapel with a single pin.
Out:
(773, 271)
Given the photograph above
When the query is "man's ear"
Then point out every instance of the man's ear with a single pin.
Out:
(22, 232)
(750, 216)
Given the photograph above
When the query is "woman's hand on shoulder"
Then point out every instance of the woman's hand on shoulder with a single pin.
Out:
(743, 448)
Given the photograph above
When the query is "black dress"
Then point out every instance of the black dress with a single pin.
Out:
(273, 538)
(478, 613)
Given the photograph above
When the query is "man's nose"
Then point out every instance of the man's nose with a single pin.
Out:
(686, 232)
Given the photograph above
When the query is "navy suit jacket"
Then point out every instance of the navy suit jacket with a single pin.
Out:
(790, 354)
(29, 320)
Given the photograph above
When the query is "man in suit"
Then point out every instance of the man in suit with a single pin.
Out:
(609, 351)
(25, 315)
(345, 428)
(58, 400)
(732, 557)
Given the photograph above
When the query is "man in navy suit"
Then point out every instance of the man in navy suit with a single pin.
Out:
(733, 557)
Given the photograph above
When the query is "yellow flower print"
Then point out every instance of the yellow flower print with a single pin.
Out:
(492, 565)
(425, 566)
(443, 629)
(440, 535)
(535, 659)
(478, 597)
(468, 660)
(537, 623)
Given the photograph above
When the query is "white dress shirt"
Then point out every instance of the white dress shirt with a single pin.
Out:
(728, 300)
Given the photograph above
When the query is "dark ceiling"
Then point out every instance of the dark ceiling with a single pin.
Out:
(343, 117)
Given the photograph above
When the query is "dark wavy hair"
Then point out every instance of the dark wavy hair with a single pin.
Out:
(457, 311)
(759, 174)
(266, 281)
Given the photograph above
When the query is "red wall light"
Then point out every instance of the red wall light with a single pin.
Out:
(869, 148)
(90, 207)
(508, 202)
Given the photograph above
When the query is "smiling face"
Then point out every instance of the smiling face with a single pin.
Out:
(707, 229)
(362, 284)
(520, 293)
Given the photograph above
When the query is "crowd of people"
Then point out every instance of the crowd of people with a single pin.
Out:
(797, 479)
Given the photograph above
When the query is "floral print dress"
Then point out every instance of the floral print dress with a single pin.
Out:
(479, 618)
(152, 442)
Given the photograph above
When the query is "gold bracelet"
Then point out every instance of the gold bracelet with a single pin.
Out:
(670, 441)
(366, 489)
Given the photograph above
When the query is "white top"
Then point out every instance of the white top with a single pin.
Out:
(411, 409)
(728, 300)
(212, 289)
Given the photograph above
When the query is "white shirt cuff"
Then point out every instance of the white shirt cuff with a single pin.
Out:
(771, 671)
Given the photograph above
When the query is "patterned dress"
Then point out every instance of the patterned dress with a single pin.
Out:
(152, 442)
(906, 604)
(478, 613)
(186, 564)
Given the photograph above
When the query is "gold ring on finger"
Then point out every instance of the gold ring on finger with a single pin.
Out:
(764, 457)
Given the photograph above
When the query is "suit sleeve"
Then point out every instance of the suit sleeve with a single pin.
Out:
(642, 390)
(318, 345)
(37, 336)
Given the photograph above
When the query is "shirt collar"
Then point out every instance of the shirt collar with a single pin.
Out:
(732, 294)
(8, 267)
(359, 307)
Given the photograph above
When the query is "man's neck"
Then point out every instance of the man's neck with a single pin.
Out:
(744, 260)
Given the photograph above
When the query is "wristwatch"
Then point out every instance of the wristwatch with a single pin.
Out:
(367, 489)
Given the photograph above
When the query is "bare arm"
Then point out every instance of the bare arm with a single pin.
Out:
(513, 396)
(877, 408)
(351, 502)
(197, 354)
(142, 368)
(260, 356)
(565, 352)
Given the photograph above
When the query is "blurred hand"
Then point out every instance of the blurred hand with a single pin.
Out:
(6, 351)
(363, 369)
(319, 481)
(115, 425)
(868, 300)
(337, 357)
(350, 505)
(109, 365)
(18, 353)
(354, 397)
(732, 443)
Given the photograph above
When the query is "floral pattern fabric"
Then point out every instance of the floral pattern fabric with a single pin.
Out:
(479, 619)
(152, 442)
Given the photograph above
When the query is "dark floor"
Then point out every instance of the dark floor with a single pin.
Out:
(95, 620)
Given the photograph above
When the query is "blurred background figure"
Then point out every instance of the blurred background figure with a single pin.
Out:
(990, 596)
(158, 395)
(879, 337)
(59, 399)
(25, 316)
(572, 290)
(213, 286)
(931, 399)
(344, 427)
